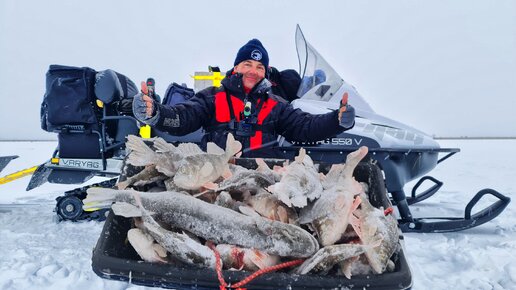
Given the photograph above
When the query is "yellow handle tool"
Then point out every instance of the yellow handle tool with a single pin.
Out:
(216, 78)
(18, 174)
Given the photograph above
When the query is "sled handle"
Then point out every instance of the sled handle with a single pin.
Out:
(493, 210)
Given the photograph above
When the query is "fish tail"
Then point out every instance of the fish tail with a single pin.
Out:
(122, 184)
(353, 159)
(99, 197)
(232, 146)
(141, 154)
(260, 259)
(126, 210)
(302, 153)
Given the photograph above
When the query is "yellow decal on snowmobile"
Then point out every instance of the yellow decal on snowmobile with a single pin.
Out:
(215, 77)
(145, 131)
(92, 209)
(18, 174)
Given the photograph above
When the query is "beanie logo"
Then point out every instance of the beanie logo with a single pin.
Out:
(256, 55)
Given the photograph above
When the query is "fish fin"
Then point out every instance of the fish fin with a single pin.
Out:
(227, 173)
(249, 211)
(355, 221)
(282, 215)
(259, 258)
(138, 200)
(126, 210)
(163, 146)
(375, 243)
(283, 196)
(211, 186)
(143, 244)
(307, 161)
(122, 184)
(140, 154)
(346, 265)
(261, 165)
(302, 153)
(212, 148)
(160, 251)
(356, 203)
(188, 149)
(232, 146)
(279, 169)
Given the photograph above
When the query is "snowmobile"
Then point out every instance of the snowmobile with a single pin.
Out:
(90, 112)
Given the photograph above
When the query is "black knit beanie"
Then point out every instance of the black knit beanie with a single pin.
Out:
(253, 50)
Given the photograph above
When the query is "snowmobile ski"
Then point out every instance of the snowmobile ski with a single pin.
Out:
(39, 177)
(4, 160)
(450, 224)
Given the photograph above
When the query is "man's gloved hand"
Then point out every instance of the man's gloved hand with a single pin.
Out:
(144, 108)
(346, 113)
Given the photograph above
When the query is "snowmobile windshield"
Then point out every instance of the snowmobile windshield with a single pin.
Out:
(319, 81)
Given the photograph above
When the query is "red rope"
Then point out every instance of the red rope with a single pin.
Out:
(237, 286)
(218, 266)
(267, 270)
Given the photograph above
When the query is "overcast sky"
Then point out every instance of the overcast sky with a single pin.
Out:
(447, 68)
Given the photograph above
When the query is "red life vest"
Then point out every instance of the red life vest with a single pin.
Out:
(223, 114)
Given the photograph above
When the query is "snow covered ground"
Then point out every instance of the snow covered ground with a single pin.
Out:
(39, 253)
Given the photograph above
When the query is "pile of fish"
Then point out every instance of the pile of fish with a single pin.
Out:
(256, 218)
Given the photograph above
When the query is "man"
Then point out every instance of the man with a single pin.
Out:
(244, 106)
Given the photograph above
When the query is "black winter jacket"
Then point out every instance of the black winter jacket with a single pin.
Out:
(209, 109)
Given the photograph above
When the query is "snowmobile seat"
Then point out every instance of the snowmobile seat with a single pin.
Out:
(116, 91)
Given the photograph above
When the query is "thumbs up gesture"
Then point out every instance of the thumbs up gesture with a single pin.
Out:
(143, 105)
(346, 113)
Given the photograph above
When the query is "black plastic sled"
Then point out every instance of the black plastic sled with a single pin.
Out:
(114, 258)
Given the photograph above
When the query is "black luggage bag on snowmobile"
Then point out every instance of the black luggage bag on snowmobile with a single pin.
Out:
(114, 258)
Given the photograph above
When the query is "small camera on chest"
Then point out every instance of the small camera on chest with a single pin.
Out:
(245, 127)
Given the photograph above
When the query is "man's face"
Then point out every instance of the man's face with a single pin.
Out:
(253, 72)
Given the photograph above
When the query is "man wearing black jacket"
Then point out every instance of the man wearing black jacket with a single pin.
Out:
(244, 106)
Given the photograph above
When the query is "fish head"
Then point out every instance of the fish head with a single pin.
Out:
(197, 170)
(187, 176)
